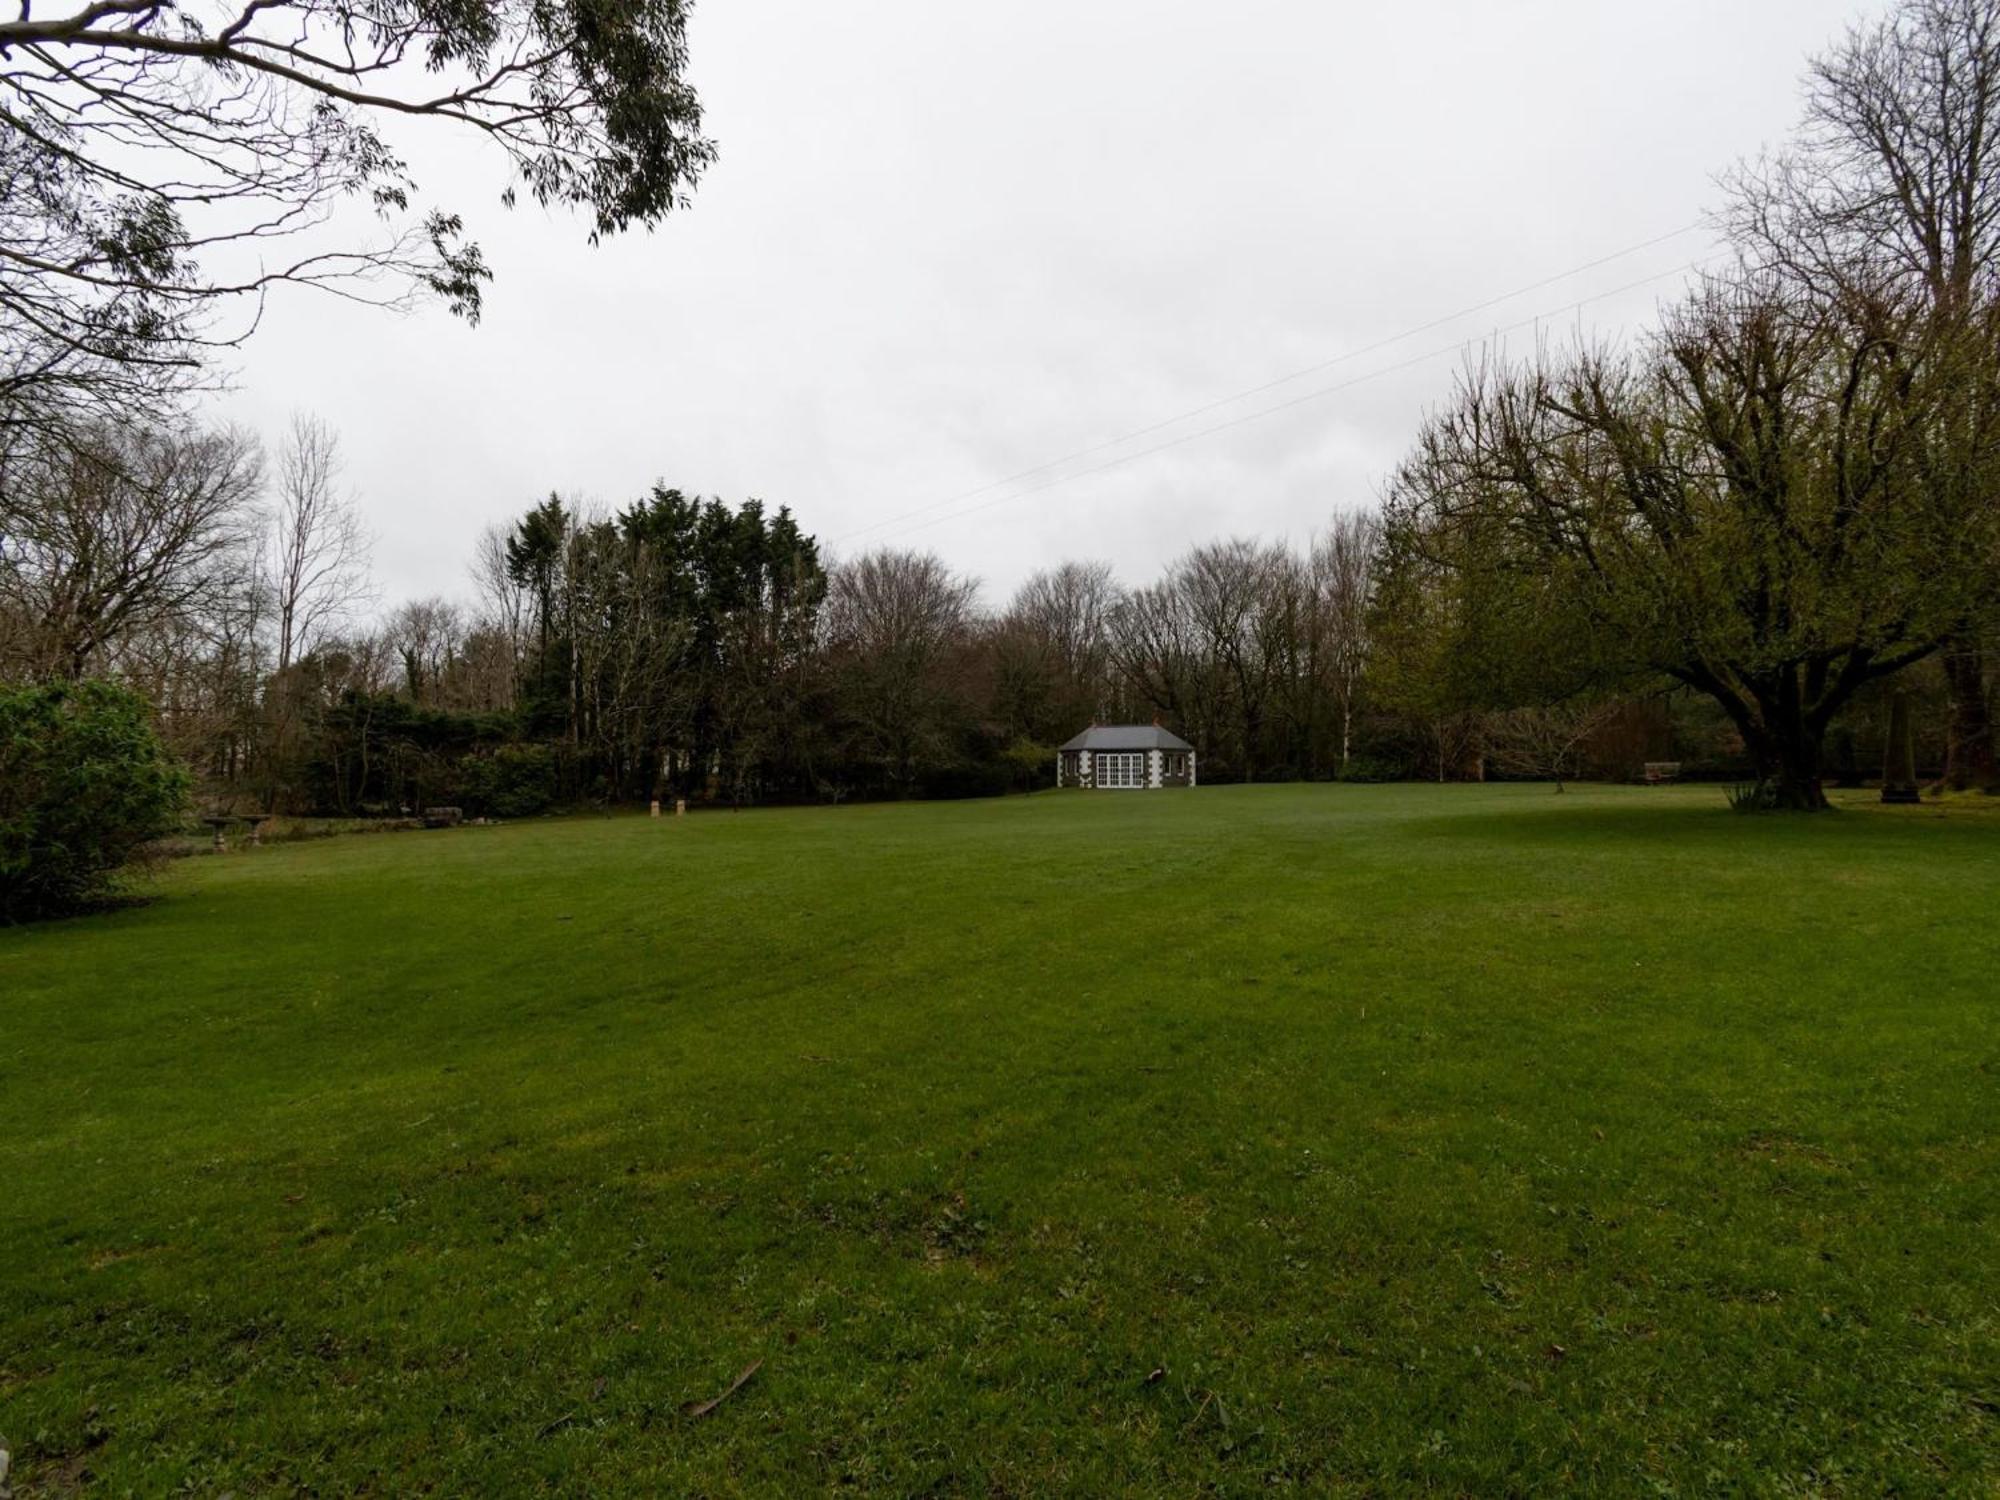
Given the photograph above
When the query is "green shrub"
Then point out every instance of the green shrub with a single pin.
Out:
(84, 784)
(968, 778)
(515, 781)
(1033, 765)
(1751, 797)
(1370, 769)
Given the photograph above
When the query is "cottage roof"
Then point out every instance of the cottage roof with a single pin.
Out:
(1127, 737)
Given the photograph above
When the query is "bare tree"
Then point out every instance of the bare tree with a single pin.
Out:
(1298, 644)
(1052, 650)
(119, 532)
(1895, 175)
(1070, 607)
(1746, 507)
(1158, 651)
(505, 610)
(1228, 588)
(366, 661)
(202, 670)
(313, 568)
(316, 549)
(1894, 188)
(1215, 646)
(1343, 564)
(426, 636)
(896, 623)
(1546, 740)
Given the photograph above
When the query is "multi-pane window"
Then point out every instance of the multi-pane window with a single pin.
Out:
(1121, 769)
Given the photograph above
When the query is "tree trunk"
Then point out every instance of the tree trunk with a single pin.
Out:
(1788, 761)
(1969, 751)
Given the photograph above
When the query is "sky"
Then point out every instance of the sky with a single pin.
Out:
(950, 256)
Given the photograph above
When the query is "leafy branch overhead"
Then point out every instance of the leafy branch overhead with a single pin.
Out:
(159, 159)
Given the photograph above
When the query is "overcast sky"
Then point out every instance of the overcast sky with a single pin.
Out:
(945, 244)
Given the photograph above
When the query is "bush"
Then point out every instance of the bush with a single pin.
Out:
(1371, 769)
(515, 781)
(84, 784)
(1033, 765)
(1751, 797)
(970, 778)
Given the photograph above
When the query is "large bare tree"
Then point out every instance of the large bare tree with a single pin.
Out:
(313, 573)
(1752, 507)
(897, 624)
(1893, 187)
(316, 547)
(1209, 647)
(1228, 587)
(1343, 565)
(426, 636)
(505, 608)
(1160, 655)
(1314, 629)
(117, 532)
(1051, 651)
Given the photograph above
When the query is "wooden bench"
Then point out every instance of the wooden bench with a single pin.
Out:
(1659, 771)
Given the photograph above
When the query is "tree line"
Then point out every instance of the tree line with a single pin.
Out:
(681, 646)
(1722, 545)
(674, 647)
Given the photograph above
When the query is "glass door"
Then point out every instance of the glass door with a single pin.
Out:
(1121, 769)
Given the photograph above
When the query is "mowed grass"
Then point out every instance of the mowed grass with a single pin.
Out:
(1469, 1140)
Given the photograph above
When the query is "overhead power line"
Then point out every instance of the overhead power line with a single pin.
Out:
(1270, 385)
(1058, 481)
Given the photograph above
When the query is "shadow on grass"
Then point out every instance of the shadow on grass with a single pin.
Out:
(1623, 816)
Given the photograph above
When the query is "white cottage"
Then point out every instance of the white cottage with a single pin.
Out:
(1133, 757)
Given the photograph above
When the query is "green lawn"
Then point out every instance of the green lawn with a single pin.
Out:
(1472, 1140)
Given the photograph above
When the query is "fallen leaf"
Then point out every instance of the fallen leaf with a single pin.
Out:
(560, 1422)
(699, 1409)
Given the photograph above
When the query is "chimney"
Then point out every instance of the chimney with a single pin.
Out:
(1156, 721)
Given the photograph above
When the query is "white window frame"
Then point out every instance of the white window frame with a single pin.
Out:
(1120, 770)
